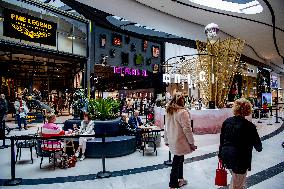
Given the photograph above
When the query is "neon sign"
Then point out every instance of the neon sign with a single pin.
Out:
(129, 71)
(26, 27)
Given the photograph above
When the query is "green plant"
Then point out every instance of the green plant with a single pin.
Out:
(103, 109)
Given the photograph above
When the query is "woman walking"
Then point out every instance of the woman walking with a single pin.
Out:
(237, 139)
(179, 138)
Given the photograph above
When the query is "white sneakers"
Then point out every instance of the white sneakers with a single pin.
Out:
(77, 154)
(82, 158)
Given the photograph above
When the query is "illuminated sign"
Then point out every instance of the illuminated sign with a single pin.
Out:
(29, 28)
(178, 78)
(129, 71)
(34, 117)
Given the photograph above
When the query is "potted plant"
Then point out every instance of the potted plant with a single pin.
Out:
(105, 112)
(103, 109)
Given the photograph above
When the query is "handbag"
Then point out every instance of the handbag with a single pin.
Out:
(72, 161)
(221, 175)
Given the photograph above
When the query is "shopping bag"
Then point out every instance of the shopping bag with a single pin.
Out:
(221, 175)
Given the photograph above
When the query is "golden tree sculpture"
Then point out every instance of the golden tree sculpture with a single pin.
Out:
(217, 68)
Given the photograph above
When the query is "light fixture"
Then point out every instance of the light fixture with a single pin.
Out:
(71, 37)
(248, 7)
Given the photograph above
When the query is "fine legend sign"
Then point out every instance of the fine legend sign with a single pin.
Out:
(29, 28)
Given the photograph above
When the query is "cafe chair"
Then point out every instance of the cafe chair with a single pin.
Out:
(30, 143)
(51, 148)
(150, 138)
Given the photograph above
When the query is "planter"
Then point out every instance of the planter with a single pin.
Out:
(107, 127)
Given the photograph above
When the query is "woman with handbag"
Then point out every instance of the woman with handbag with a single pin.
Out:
(179, 138)
(237, 139)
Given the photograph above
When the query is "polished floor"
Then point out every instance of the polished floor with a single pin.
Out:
(136, 171)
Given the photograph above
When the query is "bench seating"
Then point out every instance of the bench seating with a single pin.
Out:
(115, 145)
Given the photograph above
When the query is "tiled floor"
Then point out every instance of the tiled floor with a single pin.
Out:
(137, 172)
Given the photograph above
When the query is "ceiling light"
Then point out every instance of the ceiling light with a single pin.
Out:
(251, 7)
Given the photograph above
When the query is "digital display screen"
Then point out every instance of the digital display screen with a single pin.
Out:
(274, 81)
(155, 51)
(139, 59)
(117, 40)
(266, 98)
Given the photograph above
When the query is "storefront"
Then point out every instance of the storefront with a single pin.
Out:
(42, 50)
(126, 65)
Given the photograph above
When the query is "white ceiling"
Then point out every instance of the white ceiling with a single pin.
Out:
(184, 21)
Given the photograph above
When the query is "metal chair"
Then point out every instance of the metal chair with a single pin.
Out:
(25, 144)
(49, 148)
(150, 137)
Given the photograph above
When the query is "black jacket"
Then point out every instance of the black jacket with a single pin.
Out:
(237, 139)
(125, 128)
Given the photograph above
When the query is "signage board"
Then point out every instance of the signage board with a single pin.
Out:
(23, 26)
(129, 71)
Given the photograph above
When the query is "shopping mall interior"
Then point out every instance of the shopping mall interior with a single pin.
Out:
(136, 94)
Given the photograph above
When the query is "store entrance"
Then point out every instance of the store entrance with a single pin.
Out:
(43, 77)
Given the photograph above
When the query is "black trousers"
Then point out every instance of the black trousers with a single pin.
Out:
(177, 171)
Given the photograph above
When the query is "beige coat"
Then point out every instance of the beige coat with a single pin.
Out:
(178, 133)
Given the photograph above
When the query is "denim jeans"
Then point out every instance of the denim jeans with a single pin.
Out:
(20, 120)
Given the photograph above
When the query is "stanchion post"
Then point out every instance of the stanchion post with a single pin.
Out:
(104, 173)
(169, 162)
(259, 116)
(13, 181)
(269, 120)
(277, 115)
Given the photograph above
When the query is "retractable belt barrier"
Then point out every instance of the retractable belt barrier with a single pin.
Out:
(16, 181)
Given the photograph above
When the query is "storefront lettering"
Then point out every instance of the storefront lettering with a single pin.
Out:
(23, 26)
(30, 21)
(129, 71)
(181, 79)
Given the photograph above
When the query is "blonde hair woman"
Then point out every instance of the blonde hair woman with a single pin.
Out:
(179, 138)
(237, 139)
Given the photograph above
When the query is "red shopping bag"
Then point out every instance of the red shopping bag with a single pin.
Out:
(221, 175)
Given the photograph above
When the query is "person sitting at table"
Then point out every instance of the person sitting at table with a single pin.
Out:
(87, 128)
(135, 121)
(125, 128)
(50, 129)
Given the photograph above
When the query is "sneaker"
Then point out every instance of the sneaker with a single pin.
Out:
(77, 154)
(25, 128)
(82, 158)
